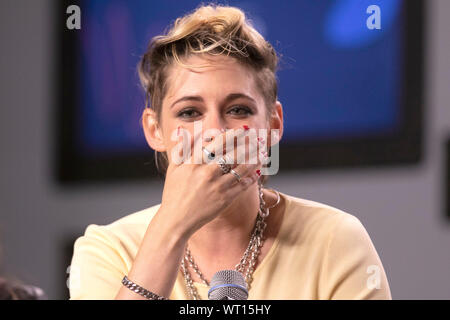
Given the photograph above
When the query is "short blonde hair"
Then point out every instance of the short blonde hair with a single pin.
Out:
(213, 29)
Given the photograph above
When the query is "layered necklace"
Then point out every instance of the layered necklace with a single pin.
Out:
(248, 261)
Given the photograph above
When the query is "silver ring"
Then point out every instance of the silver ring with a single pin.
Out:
(238, 177)
(223, 165)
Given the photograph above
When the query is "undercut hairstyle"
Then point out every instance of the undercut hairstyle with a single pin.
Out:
(209, 29)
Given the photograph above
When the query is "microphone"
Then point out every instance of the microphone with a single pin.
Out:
(228, 285)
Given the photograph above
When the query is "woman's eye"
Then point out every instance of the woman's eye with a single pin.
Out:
(240, 110)
(237, 110)
(186, 113)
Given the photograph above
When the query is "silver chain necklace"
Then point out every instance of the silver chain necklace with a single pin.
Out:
(248, 259)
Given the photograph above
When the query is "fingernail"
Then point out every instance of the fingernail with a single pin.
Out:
(246, 127)
(258, 172)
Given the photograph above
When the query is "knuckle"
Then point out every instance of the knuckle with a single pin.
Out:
(208, 173)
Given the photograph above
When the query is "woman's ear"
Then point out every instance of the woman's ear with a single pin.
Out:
(152, 131)
(276, 122)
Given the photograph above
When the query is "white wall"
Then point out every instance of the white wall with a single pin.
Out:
(400, 207)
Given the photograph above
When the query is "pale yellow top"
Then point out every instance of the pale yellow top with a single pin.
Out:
(320, 252)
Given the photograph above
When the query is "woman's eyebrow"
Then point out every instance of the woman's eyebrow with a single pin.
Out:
(230, 97)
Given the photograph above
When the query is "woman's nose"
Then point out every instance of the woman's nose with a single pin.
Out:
(212, 126)
(213, 121)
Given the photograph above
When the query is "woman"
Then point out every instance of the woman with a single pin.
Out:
(213, 68)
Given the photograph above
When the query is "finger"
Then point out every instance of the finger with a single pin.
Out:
(248, 176)
(245, 152)
(228, 141)
(190, 147)
(241, 172)
(181, 151)
(248, 172)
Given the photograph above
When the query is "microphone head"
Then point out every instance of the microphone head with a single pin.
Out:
(228, 285)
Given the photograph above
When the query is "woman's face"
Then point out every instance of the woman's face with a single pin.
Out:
(222, 95)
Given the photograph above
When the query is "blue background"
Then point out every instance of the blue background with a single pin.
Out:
(338, 79)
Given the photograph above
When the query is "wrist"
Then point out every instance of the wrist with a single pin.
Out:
(177, 231)
(158, 259)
